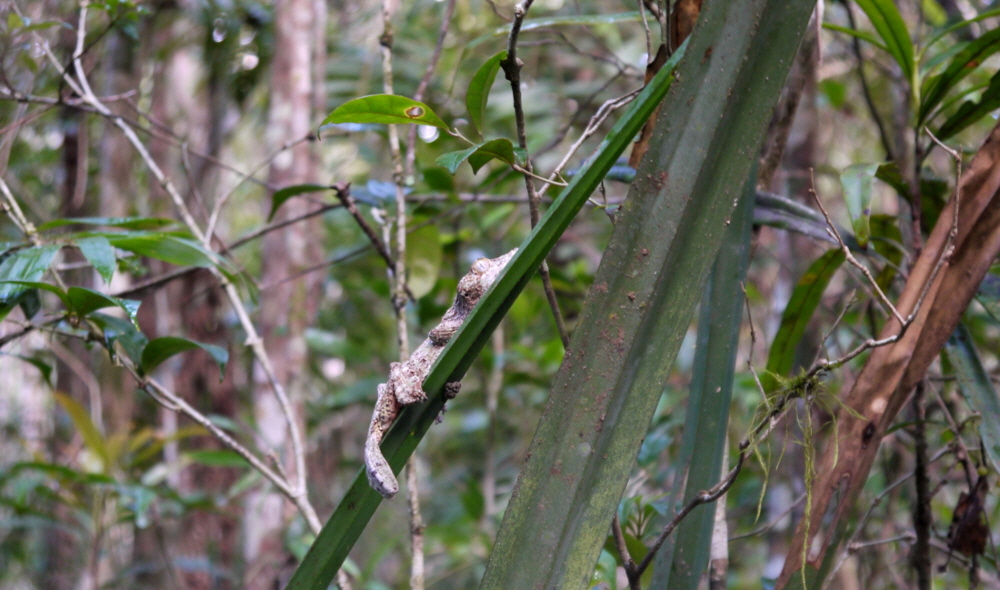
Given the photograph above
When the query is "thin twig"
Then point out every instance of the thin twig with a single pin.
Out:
(834, 233)
(343, 192)
(703, 497)
(512, 70)
(627, 562)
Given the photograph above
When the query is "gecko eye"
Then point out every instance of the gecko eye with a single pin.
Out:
(480, 266)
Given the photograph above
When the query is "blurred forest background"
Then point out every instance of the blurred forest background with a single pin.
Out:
(144, 146)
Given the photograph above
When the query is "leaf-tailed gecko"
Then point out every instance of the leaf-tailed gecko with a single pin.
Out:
(405, 384)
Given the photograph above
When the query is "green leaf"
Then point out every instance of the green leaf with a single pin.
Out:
(133, 223)
(219, 458)
(977, 388)
(171, 249)
(888, 241)
(501, 149)
(384, 108)
(784, 213)
(889, 24)
(44, 287)
(280, 196)
(988, 295)
(121, 331)
(161, 349)
(863, 35)
(961, 24)
(83, 301)
(423, 259)
(971, 112)
(92, 437)
(480, 154)
(479, 90)
(42, 366)
(665, 238)
(963, 64)
(28, 264)
(339, 534)
(452, 160)
(856, 181)
(98, 250)
(805, 299)
(889, 173)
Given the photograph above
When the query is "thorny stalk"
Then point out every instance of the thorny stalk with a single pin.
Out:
(512, 70)
(399, 299)
(295, 491)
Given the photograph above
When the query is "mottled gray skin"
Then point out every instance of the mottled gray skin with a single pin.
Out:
(405, 384)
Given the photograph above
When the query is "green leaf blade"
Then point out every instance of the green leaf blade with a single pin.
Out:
(388, 109)
(478, 92)
(161, 349)
(890, 26)
(856, 181)
(280, 196)
(963, 64)
(977, 388)
(970, 112)
(803, 303)
(99, 252)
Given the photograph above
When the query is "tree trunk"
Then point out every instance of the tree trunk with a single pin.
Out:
(287, 306)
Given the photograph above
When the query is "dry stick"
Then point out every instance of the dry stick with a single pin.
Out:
(296, 492)
(835, 234)
(595, 122)
(399, 298)
(13, 210)
(627, 562)
(645, 27)
(156, 130)
(512, 69)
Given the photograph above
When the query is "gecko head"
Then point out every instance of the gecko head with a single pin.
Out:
(483, 273)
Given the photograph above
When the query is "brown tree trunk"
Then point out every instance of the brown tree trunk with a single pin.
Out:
(287, 306)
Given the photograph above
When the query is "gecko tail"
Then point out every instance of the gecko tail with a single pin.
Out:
(380, 476)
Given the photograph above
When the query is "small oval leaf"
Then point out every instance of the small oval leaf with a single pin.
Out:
(98, 251)
(452, 160)
(161, 349)
(384, 108)
(280, 196)
(478, 92)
